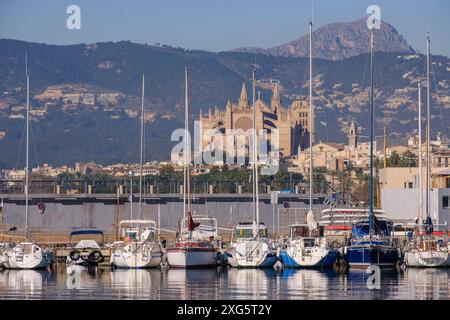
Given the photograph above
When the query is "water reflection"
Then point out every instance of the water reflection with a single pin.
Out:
(220, 284)
(27, 283)
(305, 283)
(136, 284)
(192, 284)
(427, 284)
(250, 283)
(355, 284)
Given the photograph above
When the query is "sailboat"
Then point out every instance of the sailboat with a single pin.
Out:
(195, 246)
(139, 248)
(26, 255)
(429, 245)
(251, 247)
(302, 251)
(372, 242)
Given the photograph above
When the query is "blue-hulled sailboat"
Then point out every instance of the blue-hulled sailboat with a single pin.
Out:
(304, 251)
(371, 242)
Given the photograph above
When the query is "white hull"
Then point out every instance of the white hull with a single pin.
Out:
(139, 259)
(191, 258)
(426, 259)
(251, 254)
(260, 261)
(31, 258)
(27, 261)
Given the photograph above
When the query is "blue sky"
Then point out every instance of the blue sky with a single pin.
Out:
(214, 24)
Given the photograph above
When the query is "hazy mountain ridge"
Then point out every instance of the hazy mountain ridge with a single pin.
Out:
(339, 41)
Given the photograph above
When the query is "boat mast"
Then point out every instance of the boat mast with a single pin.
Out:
(428, 184)
(420, 185)
(142, 148)
(141, 158)
(311, 120)
(371, 128)
(255, 156)
(27, 148)
(187, 151)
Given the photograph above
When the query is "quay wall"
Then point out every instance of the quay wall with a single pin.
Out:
(68, 212)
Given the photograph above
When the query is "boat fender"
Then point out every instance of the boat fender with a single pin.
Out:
(74, 255)
(219, 258)
(96, 257)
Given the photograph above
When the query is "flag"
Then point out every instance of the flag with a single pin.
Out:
(191, 224)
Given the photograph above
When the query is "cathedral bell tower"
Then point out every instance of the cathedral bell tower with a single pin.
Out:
(352, 136)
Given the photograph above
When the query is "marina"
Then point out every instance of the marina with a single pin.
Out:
(255, 200)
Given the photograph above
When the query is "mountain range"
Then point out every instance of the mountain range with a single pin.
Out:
(64, 132)
(339, 41)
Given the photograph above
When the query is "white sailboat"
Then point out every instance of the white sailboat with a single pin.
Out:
(303, 251)
(26, 255)
(429, 245)
(195, 246)
(139, 249)
(251, 247)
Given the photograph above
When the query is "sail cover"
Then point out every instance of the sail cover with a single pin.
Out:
(311, 220)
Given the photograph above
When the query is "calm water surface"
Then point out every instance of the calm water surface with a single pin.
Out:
(221, 284)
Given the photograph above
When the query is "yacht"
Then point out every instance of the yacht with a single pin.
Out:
(428, 247)
(252, 248)
(372, 242)
(303, 250)
(27, 254)
(307, 252)
(247, 250)
(195, 245)
(138, 249)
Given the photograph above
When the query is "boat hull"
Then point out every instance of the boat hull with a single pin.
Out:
(364, 256)
(191, 257)
(266, 260)
(138, 260)
(323, 260)
(426, 259)
(27, 261)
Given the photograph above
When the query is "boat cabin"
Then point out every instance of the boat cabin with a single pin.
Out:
(205, 228)
(382, 228)
(299, 230)
(129, 230)
(244, 230)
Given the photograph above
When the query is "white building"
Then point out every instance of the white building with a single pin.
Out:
(400, 194)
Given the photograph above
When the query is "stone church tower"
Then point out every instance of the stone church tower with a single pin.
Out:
(292, 123)
(352, 136)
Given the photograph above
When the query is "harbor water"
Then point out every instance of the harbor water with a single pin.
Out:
(218, 284)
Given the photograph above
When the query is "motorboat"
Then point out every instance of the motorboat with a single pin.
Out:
(87, 251)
